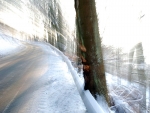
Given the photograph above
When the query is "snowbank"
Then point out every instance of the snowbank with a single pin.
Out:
(8, 45)
(125, 97)
(89, 101)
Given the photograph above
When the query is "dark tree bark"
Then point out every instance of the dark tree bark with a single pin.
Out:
(87, 25)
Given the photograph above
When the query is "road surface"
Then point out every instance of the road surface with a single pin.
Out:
(18, 73)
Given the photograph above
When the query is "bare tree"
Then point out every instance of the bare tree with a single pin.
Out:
(88, 32)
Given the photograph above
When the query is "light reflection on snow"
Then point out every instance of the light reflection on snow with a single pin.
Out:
(8, 44)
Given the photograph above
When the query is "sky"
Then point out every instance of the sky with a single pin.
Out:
(124, 23)
(69, 12)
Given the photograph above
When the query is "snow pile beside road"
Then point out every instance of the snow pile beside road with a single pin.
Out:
(125, 98)
(91, 104)
(8, 45)
(57, 92)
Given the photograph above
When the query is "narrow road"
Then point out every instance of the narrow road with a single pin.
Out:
(18, 73)
(37, 80)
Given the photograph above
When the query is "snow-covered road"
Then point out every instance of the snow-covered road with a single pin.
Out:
(37, 80)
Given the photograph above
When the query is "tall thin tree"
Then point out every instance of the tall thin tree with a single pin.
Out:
(87, 25)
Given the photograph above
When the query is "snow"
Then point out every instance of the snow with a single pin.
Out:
(60, 89)
(125, 98)
(8, 45)
(58, 93)
(67, 100)
(91, 104)
(55, 91)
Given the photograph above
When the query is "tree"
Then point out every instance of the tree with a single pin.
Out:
(87, 26)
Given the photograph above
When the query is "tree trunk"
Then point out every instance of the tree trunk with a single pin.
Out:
(87, 25)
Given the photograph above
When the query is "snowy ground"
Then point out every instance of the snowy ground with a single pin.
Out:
(63, 94)
(8, 45)
(54, 92)
(126, 98)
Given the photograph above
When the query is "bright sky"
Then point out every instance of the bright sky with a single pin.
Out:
(69, 12)
(124, 23)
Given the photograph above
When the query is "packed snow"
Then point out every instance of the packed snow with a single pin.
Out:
(125, 98)
(8, 45)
